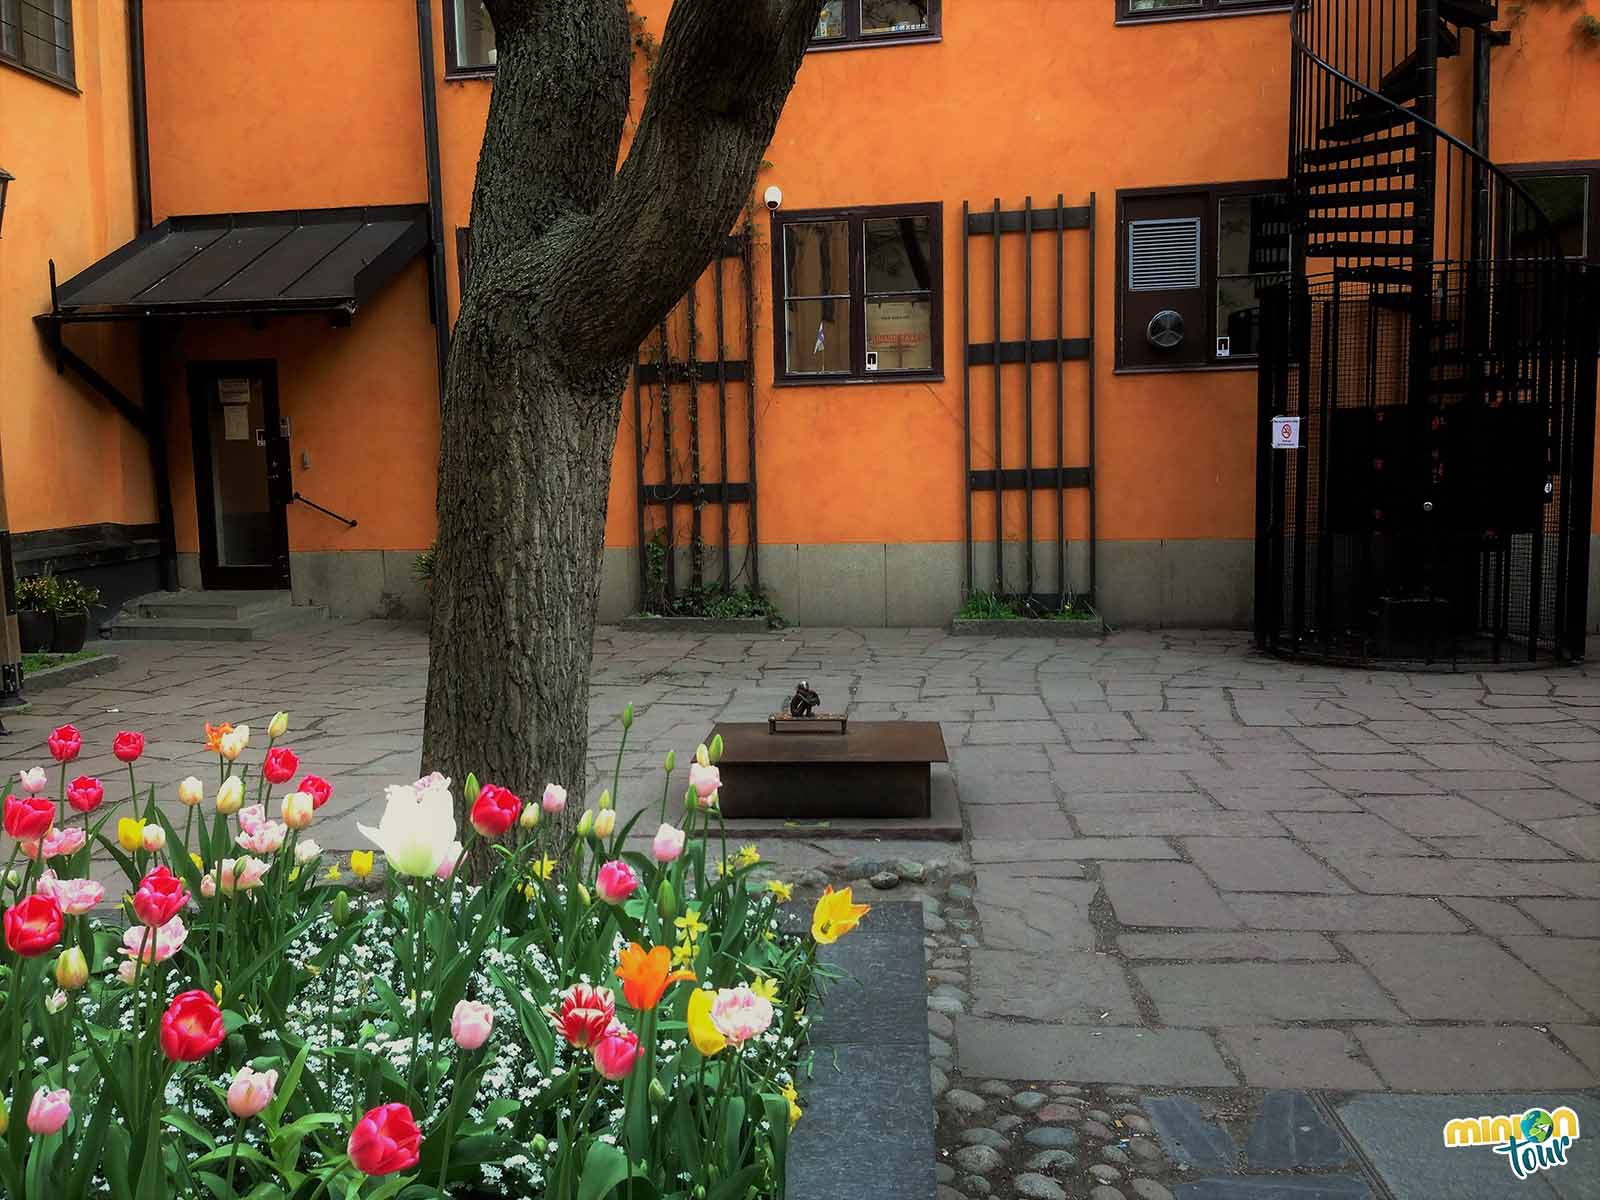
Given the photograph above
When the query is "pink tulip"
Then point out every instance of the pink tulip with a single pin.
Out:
(471, 1023)
(61, 842)
(447, 865)
(739, 1014)
(49, 1111)
(668, 843)
(251, 1091)
(554, 799)
(252, 818)
(706, 782)
(615, 1054)
(32, 780)
(155, 943)
(128, 972)
(248, 872)
(616, 882)
(75, 896)
(266, 838)
(430, 781)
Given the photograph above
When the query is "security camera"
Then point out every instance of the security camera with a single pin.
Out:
(774, 198)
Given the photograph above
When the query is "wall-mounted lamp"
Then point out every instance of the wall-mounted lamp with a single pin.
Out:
(5, 182)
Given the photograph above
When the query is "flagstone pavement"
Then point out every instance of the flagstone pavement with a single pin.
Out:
(1185, 865)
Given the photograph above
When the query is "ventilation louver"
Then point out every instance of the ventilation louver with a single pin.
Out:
(1163, 255)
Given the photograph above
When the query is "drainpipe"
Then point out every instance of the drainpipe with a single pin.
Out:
(438, 300)
(150, 383)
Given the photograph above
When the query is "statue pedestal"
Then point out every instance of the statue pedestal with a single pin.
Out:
(876, 769)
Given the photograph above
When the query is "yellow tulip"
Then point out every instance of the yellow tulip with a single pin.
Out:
(835, 915)
(702, 1032)
(361, 863)
(130, 834)
(199, 863)
(230, 796)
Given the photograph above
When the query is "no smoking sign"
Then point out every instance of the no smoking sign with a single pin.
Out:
(1286, 433)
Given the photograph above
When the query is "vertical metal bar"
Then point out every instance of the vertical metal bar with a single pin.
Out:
(1583, 299)
(1027, 383)
(1061, 437)
(999, 447)
(1298, 610)
(669, 476)
(966, 382)
(692, 369)
(747, 272)
(638, 483)
(1330, 403)
(1094, 346)
(722, 426)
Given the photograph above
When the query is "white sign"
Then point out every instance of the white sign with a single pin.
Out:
(235, 422)
(1286, 433)
(1224, 347)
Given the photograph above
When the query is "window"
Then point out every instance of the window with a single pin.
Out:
(1569, 195)
(37, 36)
(1192, 263)
(866, 22)
(468, 38)
(858, 294)
(1157, 10)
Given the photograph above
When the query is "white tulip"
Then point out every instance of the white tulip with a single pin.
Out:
(305, 851)
(416, 831)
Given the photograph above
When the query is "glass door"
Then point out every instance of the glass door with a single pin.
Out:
(241, 475)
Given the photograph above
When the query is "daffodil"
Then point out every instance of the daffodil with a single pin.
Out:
(683, 954)
(361, 863)
(766, 988)
(544, 868)
(792, 1096)
(690, 926)
(748, 856)
(835, 915)
(702, 1031)
(333, 871)
(781, 890)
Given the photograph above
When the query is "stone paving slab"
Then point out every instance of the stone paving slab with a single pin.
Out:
(1275, 1056)
(1261, 865)
(1013, 1050)
(1459, 978)
(1456, 1058)
(1219, 994)
(1167, 895)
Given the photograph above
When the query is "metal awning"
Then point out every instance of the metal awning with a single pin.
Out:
(328, 260)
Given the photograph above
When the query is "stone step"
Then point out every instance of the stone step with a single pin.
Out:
(207, 606)
(249, 625)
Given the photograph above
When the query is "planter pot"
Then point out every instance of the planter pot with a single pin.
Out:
(35, 630)
(70, 631)
(640, 623)
(1040, 627)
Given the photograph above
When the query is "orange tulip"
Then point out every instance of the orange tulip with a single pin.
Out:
(214, 735)
(646, 975)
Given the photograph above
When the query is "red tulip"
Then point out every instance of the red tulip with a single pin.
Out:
(318, 788)
(615, 1054)
(161, 896)
(280, 765)
(85, 793)
(386, 1140)
(28, 818)
(191, 1028)
(64, 743)
(495, 810)
(586, 1014)
(33, 926)
(127, 746)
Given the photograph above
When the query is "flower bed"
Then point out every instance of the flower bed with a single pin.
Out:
(583, 1021)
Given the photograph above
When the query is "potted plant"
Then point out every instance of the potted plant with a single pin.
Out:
(73, 602)
(36, 603)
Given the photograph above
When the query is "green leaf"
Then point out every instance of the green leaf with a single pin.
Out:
(187, 1124)
(603, 1169)
(733, 1186)
(287, 1085)
(732, 1125)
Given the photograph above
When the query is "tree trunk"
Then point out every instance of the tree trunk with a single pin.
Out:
(573, 261)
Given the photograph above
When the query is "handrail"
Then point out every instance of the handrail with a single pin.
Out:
(346, 521)
(1545, 228)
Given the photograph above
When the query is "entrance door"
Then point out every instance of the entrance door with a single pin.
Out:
(241, 475)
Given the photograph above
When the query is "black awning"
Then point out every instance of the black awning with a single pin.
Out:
(305, 260)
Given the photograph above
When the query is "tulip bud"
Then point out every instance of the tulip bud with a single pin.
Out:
(278, 725)
(155, 838)
(72, 969)
(472, 789)
(55, 1001)
(5, 1118)
(702, 755)
(716, 747)
(672, 761)
(539, 1143)
(530, 816)
(191, 791)
(13, 879)
(586, 823)
(584, 898)
(341, 910)
(667, 901)
(627, 715)
(605, 823)
(605, 799)
(658, 1094)
(230, 796)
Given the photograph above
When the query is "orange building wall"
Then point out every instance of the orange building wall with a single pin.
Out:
(70, 459)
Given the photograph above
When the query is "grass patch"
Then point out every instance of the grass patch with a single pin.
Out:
(989, 606)
(42, 660)
(717, 603)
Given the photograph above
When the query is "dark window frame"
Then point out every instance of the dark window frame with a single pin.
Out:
(1214, 194)
(1577, 168)
(454, 69)
(856, 215)
(854, 39)
(1200, 10)
(11, 16)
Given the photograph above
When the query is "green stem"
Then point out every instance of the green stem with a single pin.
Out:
(233, 1154)
(133, 785)
(444, 1158)
(416, 981)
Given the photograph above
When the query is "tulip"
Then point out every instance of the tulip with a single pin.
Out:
(702, 755)
(72, 969)
(33, 926)
(706, 781)
(251, 1091)
(59, 843)
(85, 793)
(191, 1028)
(279, 765)
(318, 788)
(605, 823)
(32, 780)
(385, 1140)
(128, 972)
(130, 833)
(646, 974)
(554, 799)
(716, 747)
(75, 896)
(361, 863)
(127, 746)
(740, 1014)
(266, 839)
(278, 726)
(55, 1001)
(668, 843)
(495, 810)
(234, 742)
(155, 838)
(416, 830)
(298, 809)
(191, 791)
(230, 796)
(835, 915)
(252, 817)
(530, 816)
(431, 781)
(670, 763)
(470, 1024)
(585, 1014)
(616, 882)
(49, 1110)
(248, 872)
(586, 823)
(605, 803)
(667, 901)
(305, 851)
(627, 715)
(161, 896)
(65, 742)
(447, 865)
(703, 1032)
(214, 735)
(28, 818)
(145, 944)
(615, 1054)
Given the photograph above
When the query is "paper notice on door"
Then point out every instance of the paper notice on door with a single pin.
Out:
(236, 422)
(233, 391)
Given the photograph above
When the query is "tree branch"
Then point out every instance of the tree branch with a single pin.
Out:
(725, 70)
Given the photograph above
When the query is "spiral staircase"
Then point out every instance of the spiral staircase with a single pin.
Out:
(1439, 353)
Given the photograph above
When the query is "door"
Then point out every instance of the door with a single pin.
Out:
(241, 475)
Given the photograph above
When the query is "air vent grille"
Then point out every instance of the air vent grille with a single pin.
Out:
(1164, 255)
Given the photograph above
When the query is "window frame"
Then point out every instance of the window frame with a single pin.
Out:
(1202, 10)
(1576, 168)
(453, 68)
(1210, 233)
(854, 39)
(15, 61)
(856, 216)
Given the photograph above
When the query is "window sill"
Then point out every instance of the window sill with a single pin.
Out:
(459, 74)
(918, 39)
(881, 378)
(1167, 18)
(1195, 369)
(66, 85)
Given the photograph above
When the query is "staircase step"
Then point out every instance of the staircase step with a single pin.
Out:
(1339, 248)
(1399, 143)
(223, 620)
(209, 606)
(1372, 274)
(1337, 176)
(1362, 198)
(1348, 129)
(1315, 226)
(1471, 13)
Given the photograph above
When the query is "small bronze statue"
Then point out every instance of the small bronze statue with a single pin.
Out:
(804, 701)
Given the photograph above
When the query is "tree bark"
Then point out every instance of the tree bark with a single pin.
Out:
(573, 262)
